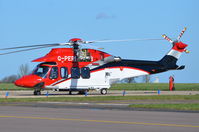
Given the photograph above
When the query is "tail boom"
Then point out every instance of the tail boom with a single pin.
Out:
(169, 60)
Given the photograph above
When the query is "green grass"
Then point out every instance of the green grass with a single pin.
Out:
(103, 98)
(192, 107)
(156, 86)
(11, 86)
(131, 86)
(181, 106)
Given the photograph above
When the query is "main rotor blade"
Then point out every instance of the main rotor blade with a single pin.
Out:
(122, 40)
(39, 45)
(93, 47)
(27, 49)
(180, 35)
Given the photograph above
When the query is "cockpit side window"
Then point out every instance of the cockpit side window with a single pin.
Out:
(64, 72)
(41, 71)
(54, 73)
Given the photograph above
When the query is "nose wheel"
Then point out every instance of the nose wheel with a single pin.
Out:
(38, 88)
(37, 92)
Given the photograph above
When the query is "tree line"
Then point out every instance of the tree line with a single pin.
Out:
(23, 70)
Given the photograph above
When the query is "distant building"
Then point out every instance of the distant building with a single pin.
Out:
(156, 80)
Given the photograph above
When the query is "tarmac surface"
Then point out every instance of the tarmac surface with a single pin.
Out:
(24, 118)
(29, 93)
(107, 116)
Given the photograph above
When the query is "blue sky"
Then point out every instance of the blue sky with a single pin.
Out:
(26, 22)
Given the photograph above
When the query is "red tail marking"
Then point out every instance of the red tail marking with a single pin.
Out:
(179, 46)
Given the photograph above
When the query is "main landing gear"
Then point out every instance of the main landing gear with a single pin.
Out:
(103, 91)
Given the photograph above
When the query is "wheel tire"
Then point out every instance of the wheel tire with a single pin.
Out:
(36, 92)
(103, 91)
(38, 88)
(70, 92)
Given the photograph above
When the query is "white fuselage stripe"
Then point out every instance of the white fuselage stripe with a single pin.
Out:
(174, 53)
(100, 79)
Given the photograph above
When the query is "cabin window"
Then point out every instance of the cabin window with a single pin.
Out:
(75, 73)
(64, 72)
(85, 72)
(54, 73)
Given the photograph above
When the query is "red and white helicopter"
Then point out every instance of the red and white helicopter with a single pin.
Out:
(76, 69)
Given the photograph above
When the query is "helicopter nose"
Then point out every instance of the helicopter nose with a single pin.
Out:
(28, 81)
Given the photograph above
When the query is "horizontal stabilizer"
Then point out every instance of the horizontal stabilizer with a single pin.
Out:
(181, 67)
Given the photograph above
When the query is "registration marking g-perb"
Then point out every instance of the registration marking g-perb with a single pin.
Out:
(66, 58)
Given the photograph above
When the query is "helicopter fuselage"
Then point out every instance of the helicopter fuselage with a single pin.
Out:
(88, 69)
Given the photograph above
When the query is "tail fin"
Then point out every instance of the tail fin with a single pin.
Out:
(169, 60)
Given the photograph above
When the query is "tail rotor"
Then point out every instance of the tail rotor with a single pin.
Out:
(176, 43)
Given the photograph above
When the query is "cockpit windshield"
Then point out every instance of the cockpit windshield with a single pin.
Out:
(41, 71)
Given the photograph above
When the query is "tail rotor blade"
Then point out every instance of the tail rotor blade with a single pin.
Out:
(167, 38)
(182, 33)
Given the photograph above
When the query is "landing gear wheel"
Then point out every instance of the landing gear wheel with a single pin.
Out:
(38, 88)
(37, 92)
(70, 92)
(103, 91)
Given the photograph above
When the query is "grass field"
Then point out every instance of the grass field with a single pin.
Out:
(131, 86)
(192, 107)
(156, 86)
(104, 98)
(134, 86)
(162, 98)
(11, 86)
